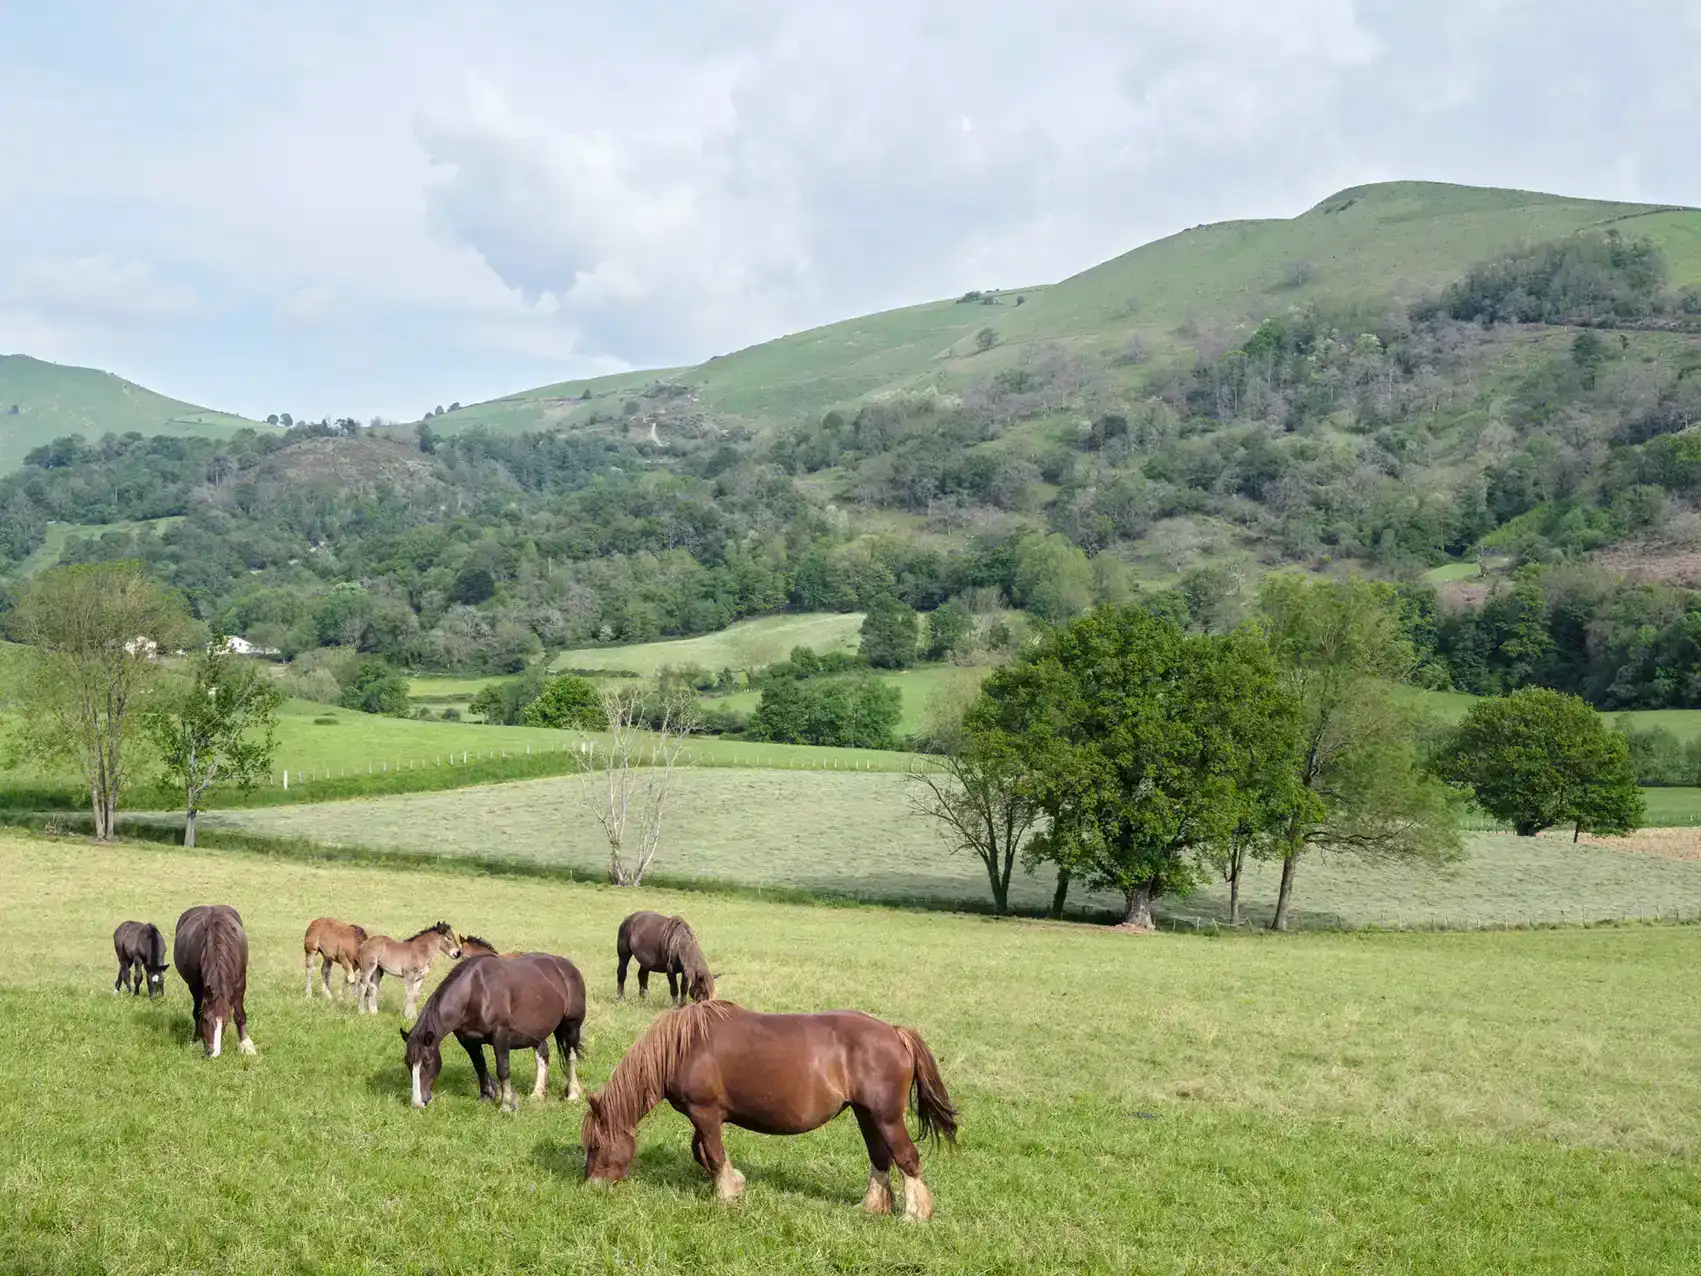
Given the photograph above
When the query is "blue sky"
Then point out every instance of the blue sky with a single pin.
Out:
(335, 209)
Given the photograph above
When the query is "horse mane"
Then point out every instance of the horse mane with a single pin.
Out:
(640, 1078)
(680, 941)
(221, 958)
(473, 941)
(156, 948)
(442, 928)
(359, 933)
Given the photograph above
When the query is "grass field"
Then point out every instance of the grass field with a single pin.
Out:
(1417, 1103)
(855, 836)
(747, 645)
(53, 544)
(915, 686)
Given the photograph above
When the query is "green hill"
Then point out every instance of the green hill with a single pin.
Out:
(41, 401)
(1399, 238)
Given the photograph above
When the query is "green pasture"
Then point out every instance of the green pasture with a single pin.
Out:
(749, 644)
(916, 686)
(1495, 1103)
(856, 836)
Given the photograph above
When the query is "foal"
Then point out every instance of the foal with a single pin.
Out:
(334, 943)
(141, 954)
(408, 959)
(665, 944)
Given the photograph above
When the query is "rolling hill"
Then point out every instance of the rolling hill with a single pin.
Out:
(41, 401)
(1363, 244)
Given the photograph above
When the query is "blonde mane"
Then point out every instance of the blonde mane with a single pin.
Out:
(640, 1078)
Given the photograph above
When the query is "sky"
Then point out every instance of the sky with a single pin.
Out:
(374, 209)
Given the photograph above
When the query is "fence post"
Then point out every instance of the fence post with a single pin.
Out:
(286, 779)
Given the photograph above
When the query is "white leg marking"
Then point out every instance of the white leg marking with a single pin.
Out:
(418, 1094)
(246, 1045)
(878, 1198)
(572, 1078)
(218, 1032)
(542, 1086)
(729, 1183)
(509, 1102)
(918, 1201)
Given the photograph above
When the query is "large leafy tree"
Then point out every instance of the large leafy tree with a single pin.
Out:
(1340, 647)
(567, 701)
(94, 631)
(1150, 747)
(220, 727)
(890, 634)
(1537, 758)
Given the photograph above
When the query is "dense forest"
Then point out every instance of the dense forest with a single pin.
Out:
(1533, 414)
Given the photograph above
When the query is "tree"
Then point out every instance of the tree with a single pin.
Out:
(890, 634)
(474, 585)
(505, 703)
(219, 728)
(985, 339)
(855, 712)
(632, 775)
(376, 688)
(93, 630)
(986, 800)
(1139, 737)
(1537, 758)
(272, 419)
(947, 626)
(567, 701)
(1588, 353)
(1340, 646)
(1054, 578)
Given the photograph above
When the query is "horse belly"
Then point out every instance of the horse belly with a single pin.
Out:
(780, 1095)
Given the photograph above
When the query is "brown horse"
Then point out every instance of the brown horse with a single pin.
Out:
(408, 959)
(210, 951)
(334, 943)
(140, 949)
(716, 1062)
(473, 946)
(501, 1002)
(665, 944)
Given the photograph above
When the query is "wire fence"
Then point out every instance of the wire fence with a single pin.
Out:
(1560, 919)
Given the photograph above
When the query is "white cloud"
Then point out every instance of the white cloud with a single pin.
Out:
(100, 289)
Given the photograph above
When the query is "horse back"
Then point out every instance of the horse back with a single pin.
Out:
(210, 950)
(527, 994)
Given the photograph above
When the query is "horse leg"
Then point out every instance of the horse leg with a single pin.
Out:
(239, 1016)
(567, 1042)
(918, 1201)
(411, 984)
(307, 964)
(620, 979)
(509, 1102)
(643, 982)
(195, 1019)
(711, 1155)
(325, 964)
(475, 1052)
(672, 987)
(138, 977)
(878, 1198)
(541, 1087)
(372, 982)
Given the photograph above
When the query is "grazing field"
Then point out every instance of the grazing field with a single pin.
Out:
(747, 645)
(1418, 1103)
(916, 686)
(854, 835)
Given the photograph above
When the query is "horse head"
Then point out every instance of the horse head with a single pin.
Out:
(156, 982)
(608, 1152)
(424, 1059)
(447, 940)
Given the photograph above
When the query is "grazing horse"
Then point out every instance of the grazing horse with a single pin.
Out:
(408, 959)
(502, 1002)
(716, 1062)
(665, 944)
(334, 943)
(210, 951)
(141, 955)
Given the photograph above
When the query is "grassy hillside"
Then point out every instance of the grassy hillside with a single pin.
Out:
(1359, 244)
(52, 400)
(1415, 1103)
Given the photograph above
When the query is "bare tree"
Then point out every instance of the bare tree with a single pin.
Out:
(632, 776)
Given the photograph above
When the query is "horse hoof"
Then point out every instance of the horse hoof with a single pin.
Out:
(247, 1047)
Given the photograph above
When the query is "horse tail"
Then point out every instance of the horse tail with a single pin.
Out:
(934, 1113)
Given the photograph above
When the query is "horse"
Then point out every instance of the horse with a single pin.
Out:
(665, 944)
(473, 946)
(409, 959)
(501, 1002)
(210, 951)
(141, 954)
(333, 942)
(717, 1062)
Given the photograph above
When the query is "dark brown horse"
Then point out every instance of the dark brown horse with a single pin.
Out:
(500, 1002)
(334, 943)
(665, 944)
(141, 956)
(716, 1062)
(210, 951)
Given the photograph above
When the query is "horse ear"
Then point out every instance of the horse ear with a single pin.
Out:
(404, 1033)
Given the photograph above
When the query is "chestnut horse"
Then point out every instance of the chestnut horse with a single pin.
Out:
(210, 951)
(665, 944)
(334, 943)
(716, 1062)
(140, 949)
(501, 1002)
(473, 946)
(409, 959)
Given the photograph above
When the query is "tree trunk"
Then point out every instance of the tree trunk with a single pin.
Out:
(1061, 893)
(1139, 914)
(189, 818)
(1577, 832)
(1000, 884)
(1234, 893)
(1290, 867)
